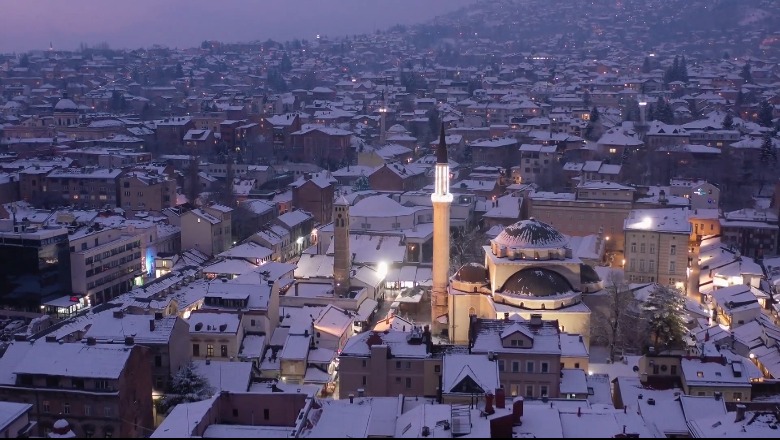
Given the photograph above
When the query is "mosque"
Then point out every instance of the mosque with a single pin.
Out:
(528, 269)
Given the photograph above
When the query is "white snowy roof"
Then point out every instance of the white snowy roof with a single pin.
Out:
(573, 381)
(670, 220)
(477, 367)
(225, 375)
(104, 361)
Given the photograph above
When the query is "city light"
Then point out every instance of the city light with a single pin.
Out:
(382, 269)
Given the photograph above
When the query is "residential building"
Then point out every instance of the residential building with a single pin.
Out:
(397, 177)
(87, 187)
(501, 152)
(528, 354)
(535, 160)
(15, 420)
(320, 145)
(754, 233)
(657, 246)
(207, 229)
(314, 194)
(146, 192)
(101, 389)
(105, 262)
(215, 335)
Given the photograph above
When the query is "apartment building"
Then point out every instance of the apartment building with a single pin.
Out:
(657, 246)
(753, 232)
(103, 390)
(535, 160)
(207, 229)
(215, 335)
(86, 187)
(105, 262)
(528, 354)
(388, 364)
(142, 191)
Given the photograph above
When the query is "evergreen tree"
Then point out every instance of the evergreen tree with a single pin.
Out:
(646, 65)
(765, 115)
(186, 386)
(664, 112)
(179, 71)
(663, 312)
(746, 73)
(768, 155)
(728, 121)
(285, 65)
(361, 184)
(683, 73)
(193, 181)
(594, 115)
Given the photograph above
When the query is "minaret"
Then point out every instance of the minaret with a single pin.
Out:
(342, 257)
(441, 200)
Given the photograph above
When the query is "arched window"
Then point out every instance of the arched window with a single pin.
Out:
(472, 311)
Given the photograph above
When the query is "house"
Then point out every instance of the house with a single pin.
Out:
(207, 229)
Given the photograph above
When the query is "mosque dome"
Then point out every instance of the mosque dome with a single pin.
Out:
(472, 273)
(66, 105)
(536, 282)
(530, 234)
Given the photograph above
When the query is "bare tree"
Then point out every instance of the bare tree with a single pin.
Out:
(615, 322)
(466, 247)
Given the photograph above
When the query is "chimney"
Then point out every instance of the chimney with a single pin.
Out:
(91, 341)
(536, 319)
(158, 315)
(740, 413)
(151, 325)
(118, 314)
(489, 404)
(506, 316)
(517, 410)
(129, 340)
(579, 411)
(500, 398)
(351, 398)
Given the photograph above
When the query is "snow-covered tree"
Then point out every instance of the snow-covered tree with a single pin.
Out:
(664, 313)
(186, 386)
(361, 184)
(613, 323)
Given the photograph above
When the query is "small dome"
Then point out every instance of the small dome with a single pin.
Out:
(530, 234)
(66, 105)
(536, 282)
(472, 273)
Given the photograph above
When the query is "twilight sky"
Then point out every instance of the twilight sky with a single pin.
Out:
(32, 24)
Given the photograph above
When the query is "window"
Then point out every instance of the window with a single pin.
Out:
(642, 248)
(652, 265)
(641, 265)
(252, 322)
(673, 249)
(196, 350)
(46, 406)
(515, 367)
(158, 361)
(87, 410)
(223, 351)
(500, 366)
(66, 408)
(266, 414)
(529, 367)
(364, 380)
(364, 363)
(652, 248)
(545, 367)
(737, 396)
(101, 384)
(701, 393)
(633, 247)
(576, 365)
(235, 412)
(108, 411)
(699, 374)
(671, 267)
(543, 390)
(529, 391)
(437, 368)
(673, 370)
(408, 383)
(210, 350)
(397, 365)
(517, 342)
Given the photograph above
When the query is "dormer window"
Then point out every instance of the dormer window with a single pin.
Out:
(517, 343)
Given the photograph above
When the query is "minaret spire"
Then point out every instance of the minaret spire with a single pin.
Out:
(441, 199)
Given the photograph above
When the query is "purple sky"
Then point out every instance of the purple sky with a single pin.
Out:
(32, 24)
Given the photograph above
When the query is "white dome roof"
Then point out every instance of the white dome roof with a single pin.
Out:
(530, 234)
(66, 104)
